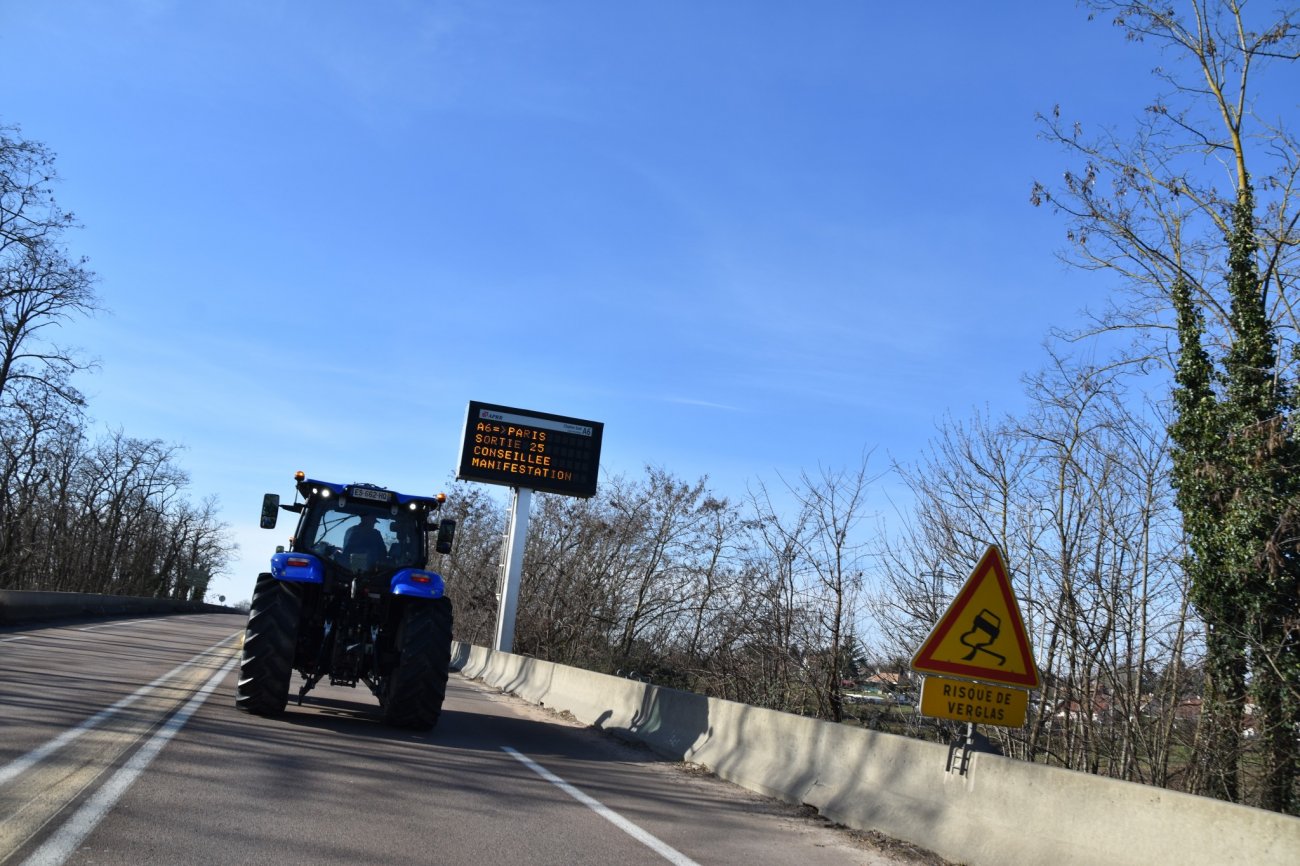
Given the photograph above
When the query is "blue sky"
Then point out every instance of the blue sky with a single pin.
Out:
(750, 237)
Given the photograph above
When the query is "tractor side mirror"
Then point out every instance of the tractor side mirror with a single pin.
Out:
(446, 533)
(270, 510)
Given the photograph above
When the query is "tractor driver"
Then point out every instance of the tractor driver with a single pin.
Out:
(365, 539)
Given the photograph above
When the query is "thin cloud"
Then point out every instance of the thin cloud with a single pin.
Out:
(708, 404)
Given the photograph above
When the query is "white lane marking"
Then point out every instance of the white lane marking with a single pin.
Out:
(111, 624)
(69, 837)
(11, 639)
(23, 762)
(672, 855)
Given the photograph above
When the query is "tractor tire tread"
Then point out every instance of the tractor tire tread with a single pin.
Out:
(269, 640)
(417, 687)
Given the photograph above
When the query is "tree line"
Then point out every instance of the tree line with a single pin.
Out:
(78, 511)
(660, 579)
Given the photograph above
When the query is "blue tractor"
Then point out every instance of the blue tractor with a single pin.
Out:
(352, 599)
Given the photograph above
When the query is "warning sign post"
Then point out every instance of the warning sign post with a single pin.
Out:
(981, 638)
(982, 635)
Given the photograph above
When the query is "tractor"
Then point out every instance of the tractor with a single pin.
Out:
(352, 599)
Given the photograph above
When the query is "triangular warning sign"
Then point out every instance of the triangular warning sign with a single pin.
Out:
(982, 636)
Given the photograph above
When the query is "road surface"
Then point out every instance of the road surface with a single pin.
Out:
(120, 744)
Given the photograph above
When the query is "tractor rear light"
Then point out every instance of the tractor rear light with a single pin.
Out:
(421, 578)
(297, 562)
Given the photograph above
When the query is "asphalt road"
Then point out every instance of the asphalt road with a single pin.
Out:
(120, 744)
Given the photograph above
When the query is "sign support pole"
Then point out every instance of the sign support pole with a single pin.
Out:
(517, 537)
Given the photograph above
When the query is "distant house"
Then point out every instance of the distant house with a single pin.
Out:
(885, 687)
(1101, 709)
(1188, 709)
(889, 681)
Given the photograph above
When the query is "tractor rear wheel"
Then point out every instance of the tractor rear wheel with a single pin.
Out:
(269, 642)
(414, 690)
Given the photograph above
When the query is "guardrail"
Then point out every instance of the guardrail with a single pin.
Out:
(997, 811)
(18, 606)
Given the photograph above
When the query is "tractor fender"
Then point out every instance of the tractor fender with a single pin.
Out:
(297, 568)
(418, 583)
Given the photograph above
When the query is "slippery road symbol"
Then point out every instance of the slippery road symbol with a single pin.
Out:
(984, 632)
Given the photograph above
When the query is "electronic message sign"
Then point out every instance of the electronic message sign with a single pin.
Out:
(533, 450)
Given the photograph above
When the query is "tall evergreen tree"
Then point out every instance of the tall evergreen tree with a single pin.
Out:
(1259, 454)
(1197, 431)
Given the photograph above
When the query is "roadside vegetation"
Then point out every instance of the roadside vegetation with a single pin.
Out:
(80, 511)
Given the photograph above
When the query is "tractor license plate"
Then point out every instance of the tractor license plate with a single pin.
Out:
(375, 495)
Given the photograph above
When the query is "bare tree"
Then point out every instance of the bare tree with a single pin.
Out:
(110, 517)
(474, 568)
(41, 285)
(1076, 495)
(821, 564)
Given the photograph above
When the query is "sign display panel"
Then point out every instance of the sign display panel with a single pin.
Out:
(983, 704)
(527, 449)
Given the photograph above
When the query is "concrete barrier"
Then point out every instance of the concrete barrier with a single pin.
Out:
(18, 606)
(999, 811)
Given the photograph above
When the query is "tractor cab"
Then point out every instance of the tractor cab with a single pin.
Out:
(361, 528)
